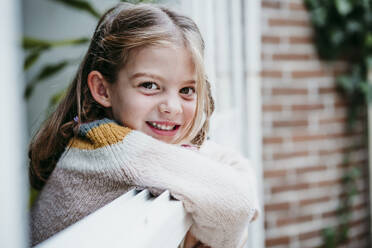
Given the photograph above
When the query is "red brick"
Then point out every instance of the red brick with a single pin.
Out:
(340, 104)
(292, 56)
(292, 123)
(272, 140)
(283, 240)
(300, 40)
(360, 206)
(363, 235)
(314, 200)
(274, 173)
(297, 6)
(330, 90)
(329, 214)
(289, 91)
(289, 187)
(309, 235)
(284, 22)
(339, 72)
(302, 138)
(308, 74)
(358, 222)
(350, 164)
(277, 206)
(327, 183)
(311, 169)
(266, 39)
(333, 120)
(272, 108)
(286, 155)
(340, 150)
(295, 220)
(305, 107)
(270, 4)
(271, 74)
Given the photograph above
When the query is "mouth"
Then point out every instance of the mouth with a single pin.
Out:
(163, 128)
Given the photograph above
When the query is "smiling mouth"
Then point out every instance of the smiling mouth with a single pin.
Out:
(162, 127)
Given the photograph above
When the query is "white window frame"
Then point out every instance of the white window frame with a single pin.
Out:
(13, 180)
(239, 126)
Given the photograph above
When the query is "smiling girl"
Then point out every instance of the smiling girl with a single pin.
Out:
(136, 116)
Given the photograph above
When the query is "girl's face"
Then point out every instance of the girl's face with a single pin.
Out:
(156, 92)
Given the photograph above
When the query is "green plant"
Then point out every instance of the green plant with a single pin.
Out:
(35, 48)
(343, 31)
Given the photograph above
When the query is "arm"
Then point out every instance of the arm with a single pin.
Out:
(226, 156)
(219, 200)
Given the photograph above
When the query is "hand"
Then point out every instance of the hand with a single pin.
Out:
(192, 242)
(254, 216)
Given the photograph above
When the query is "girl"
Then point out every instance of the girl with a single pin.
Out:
(136, 115)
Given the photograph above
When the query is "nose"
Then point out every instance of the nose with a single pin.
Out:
(170, 106)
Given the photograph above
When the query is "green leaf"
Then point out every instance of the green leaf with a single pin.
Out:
(81, 5)
(319, 16)
(56, 98)
(33, 43)
(33, 195)
(366, 89)
(368, 62)
(368, 40)
(345, 83)
(329, 237)
(46, 72)
(311, 4)
(31, 59)
(138, 1)
(337, 36)
(343, 7)
(353, 26)
(50, 70)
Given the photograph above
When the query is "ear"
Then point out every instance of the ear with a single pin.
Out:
(98, 87)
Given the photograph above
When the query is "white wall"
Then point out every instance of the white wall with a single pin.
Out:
(13, 189)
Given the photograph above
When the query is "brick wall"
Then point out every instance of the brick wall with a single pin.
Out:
(304, 142)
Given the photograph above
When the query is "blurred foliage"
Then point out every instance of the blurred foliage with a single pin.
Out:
(35, 48)
(343, 31)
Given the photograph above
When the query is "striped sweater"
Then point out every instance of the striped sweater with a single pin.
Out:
(106, 160)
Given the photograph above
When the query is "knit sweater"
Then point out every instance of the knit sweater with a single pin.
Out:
(106, 160)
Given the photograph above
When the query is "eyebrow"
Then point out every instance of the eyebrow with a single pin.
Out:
(144, 74)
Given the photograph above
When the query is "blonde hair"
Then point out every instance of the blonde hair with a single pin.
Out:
(120, 30)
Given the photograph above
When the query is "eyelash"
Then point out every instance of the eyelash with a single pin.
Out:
(192, 88)
(146, 84)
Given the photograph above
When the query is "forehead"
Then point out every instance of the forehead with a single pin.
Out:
(168, 61)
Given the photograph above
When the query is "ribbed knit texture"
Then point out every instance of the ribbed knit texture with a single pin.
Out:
(106, 160)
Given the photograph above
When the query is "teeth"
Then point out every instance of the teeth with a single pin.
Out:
(162, 127)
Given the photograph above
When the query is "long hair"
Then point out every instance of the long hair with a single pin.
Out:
(120, 30)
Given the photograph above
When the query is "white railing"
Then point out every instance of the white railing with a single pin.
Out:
(135, 220)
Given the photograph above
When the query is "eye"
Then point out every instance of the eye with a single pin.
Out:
(149, 85)
(188, 91)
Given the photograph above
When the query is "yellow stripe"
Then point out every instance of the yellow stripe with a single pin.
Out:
(103, 135)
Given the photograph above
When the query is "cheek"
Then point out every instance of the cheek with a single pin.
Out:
(134, 110)
(190, 109)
